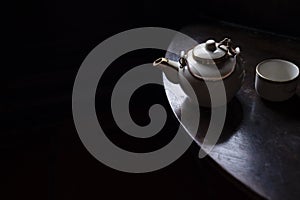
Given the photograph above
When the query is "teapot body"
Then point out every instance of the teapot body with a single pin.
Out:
(200, 89)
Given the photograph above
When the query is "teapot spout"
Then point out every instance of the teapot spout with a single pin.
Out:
(169, 67)
(166, 63)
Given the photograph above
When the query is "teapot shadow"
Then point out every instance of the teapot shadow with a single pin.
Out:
(233, 119)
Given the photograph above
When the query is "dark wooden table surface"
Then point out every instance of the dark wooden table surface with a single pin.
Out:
(260, 143)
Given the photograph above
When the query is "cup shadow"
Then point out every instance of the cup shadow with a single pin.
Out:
(288, 109)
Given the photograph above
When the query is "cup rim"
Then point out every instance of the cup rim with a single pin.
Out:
(277, 81)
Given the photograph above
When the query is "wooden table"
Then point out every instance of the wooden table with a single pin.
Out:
(260, 143)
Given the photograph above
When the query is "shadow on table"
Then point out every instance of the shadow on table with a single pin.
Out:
(234, 116)
(287, 109)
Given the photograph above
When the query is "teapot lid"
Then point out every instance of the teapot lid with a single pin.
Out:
(202, 57)
(210, 52)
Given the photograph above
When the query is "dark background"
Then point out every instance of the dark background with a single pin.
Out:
(42, 156)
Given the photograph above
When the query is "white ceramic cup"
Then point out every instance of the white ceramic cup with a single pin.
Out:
(276, 80)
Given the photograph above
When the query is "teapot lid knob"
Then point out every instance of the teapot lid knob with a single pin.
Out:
(209, 52)
(210, 45)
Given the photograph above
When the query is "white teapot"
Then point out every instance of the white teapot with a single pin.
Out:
(206, 64)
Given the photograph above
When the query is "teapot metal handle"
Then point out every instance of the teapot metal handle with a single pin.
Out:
(229, 48)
